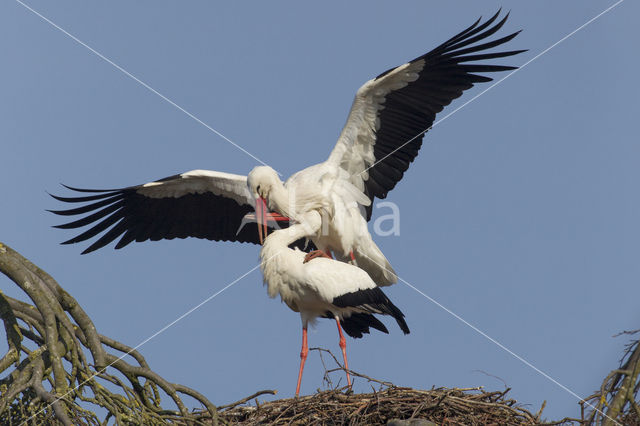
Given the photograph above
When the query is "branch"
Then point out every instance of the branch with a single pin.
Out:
(55, 377)
(616, 399)
(249, 398)
(625, 392)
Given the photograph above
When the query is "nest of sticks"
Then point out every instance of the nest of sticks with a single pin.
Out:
(338, 406)
(57, 368)
(472, 406)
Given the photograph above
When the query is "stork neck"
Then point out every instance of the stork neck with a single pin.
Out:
(308, 225)
(279, 201)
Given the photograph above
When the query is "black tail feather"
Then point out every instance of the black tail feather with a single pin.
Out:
(358, 323)
(374, 301)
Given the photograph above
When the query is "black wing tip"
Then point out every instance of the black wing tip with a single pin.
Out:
(57, 197)
(475, 24)
(73, 241)
(122, 243)
(516, 52)
(68, 242)
(460, 57)
(403, 325)
(482, 32)
(98, 244)
(503, 21)
(470, 33)
(397, 314)
(73, 188)
(99, 196)
(495, 15)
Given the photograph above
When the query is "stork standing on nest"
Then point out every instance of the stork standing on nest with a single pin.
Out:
(382, 136)
(323, 288)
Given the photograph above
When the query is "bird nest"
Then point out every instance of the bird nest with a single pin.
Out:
(471, 406)
(339, 406)
(55, 331)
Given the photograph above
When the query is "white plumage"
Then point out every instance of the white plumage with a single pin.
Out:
(330, 202)
(327, 190)
(222, 184)
(382, 136)
(323, 288)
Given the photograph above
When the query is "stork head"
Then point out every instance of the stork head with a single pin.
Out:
(261, 181)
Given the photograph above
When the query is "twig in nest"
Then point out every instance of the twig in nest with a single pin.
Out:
(249, 398)
(333, 407)
(353, 373)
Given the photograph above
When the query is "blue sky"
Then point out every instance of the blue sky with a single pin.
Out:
(520, 214)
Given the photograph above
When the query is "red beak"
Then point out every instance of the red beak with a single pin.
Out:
(263, 217)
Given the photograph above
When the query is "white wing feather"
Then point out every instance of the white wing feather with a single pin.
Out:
(198, 182)
(354, 150)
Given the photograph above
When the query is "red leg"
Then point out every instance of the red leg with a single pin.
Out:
(343, 346)
(303, 357)
(353, 258)
(316, 253)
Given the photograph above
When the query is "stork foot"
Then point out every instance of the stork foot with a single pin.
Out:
(315, 253)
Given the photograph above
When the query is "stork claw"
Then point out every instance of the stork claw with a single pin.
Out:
(314, 254)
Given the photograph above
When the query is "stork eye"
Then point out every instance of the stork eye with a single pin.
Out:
(258, 189)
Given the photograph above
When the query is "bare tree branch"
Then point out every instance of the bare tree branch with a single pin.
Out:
(51, 380)
(616, 401)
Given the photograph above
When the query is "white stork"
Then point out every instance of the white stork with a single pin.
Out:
(382, 136)
(323, 288)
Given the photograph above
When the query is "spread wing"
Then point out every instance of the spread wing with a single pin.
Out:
(199, 203)
(391, 113)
